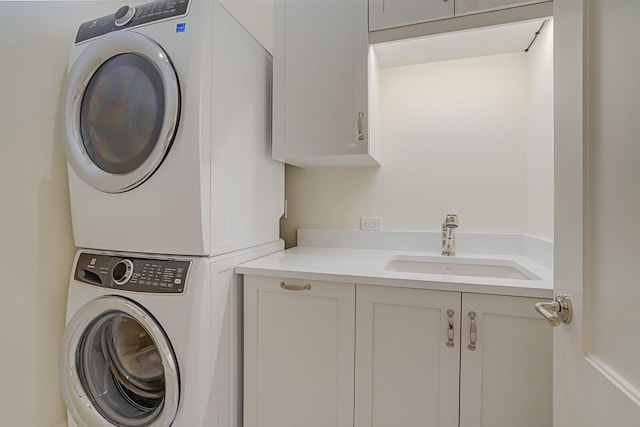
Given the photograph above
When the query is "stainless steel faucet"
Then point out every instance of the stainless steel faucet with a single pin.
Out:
(449, 235)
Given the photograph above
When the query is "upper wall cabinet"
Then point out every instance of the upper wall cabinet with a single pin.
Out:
(465, 7)
(387, 14)
(393, 19)
(321, 99)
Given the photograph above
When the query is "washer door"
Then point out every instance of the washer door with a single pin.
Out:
(120, 106)
(117, 367)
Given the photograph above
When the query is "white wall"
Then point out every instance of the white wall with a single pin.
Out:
(455, 138)
(36, 245)
(257, 18)
(540, 177)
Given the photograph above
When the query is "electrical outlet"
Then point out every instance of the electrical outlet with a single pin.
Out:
(370, 223)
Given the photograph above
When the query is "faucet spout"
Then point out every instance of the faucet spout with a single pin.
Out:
(449, 235)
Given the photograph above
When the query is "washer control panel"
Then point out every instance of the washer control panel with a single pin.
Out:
(132, 273)
(127, 17)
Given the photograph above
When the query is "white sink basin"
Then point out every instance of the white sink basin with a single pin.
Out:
(454, 266)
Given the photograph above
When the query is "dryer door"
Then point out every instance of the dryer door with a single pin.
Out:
(117, 367)
(121, 107)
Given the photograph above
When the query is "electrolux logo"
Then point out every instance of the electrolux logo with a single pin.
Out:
(181, 27)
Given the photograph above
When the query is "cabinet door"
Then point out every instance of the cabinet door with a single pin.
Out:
(299, 353)
(395, 13)
(467, 7)
(406, 374)
(320, 83)
(507, 380)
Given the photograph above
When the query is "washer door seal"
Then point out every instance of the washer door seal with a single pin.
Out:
(121, 107)
(117, 366)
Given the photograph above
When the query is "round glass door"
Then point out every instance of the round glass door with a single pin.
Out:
(121, 105)
(121, 113)
(117, 367)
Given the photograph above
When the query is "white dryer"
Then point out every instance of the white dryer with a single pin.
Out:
(167, 117)
(154, 341)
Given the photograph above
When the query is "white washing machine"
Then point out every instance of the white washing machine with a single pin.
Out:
(167, 117)
(154, 341)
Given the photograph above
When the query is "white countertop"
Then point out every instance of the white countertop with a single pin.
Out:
(367, 267)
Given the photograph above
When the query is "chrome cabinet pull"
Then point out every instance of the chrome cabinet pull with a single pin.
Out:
(360, 134)
(473, 331)
(450, 332)
(306, 287)
(558, 311)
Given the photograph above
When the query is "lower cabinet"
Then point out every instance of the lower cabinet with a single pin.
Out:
(506, 380)
(299, 352)
(407, 357)
(422, 358)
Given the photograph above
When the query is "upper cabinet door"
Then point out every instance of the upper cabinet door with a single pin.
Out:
(393, 13)
(466, 7)
(320, 113)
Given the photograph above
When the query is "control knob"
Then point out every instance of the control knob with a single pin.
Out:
(124, 15)
(122, 272)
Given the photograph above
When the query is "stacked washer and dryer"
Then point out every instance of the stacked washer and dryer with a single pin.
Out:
(166, 110)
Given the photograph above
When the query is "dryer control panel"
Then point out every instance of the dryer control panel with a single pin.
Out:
(132, 273)
(132, 16)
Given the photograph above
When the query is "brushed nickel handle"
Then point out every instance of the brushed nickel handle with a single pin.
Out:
(360, 134)
(450, 331)
(306, 287)
(473, 331)
(558, 311)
